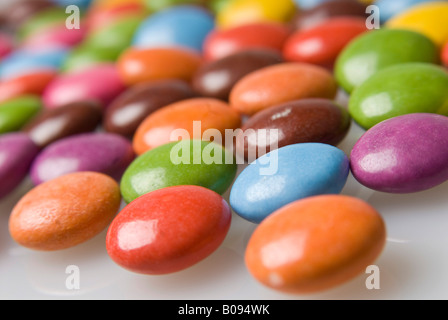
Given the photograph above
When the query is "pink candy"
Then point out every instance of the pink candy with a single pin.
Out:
(100, 83)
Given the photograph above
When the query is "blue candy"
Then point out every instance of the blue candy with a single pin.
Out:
(24, 62)
(185, 26)
(388, 8)
(288, 174)
(82, 4)
(309, 4)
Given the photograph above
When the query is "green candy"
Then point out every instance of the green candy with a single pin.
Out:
(398, 90)
(118, 34)
(217, 5)
(157, 5)
(84, 56)
(15, 113)
(104, 45)
(43, 20)
(378, 49)
(187, 162)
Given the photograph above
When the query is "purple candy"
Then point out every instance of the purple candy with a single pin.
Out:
(403, 154)
(17, 152)
(106, 153)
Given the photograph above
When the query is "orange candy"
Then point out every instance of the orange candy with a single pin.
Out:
(33, 83)
(158, 127)
(143, 65)
(315, 244)
(64, 212)
(281, 83)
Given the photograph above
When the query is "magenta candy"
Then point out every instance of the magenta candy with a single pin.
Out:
(56, 37)
(100, 83)
(6, 45)
(106, 153)
(17, 151)
(403, 154)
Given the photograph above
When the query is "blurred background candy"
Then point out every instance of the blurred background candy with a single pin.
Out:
(308, 18)
(428, 18)
(26, 61)
(239, 12)
(185, 26)
(255, 35)
(100, 83)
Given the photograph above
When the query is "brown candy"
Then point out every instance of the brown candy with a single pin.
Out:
(18, 12)
(54, 124)
(216, 79)
(305, 19)
(129, 110)
(307, 120)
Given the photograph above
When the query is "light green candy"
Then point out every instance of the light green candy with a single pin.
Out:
(379, 49)
(399, 90)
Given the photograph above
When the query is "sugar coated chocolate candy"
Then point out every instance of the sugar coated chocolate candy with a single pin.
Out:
(17, 152)
(125, 114)
(168, 230)
(285, 175)
(257, 35)
(315, 244)
(404, 154)
(65, 212)
(50, 125)
(137, 65)
(216, 78)
(299, 121)
(186, 119)
(185, 162)
(281, 83)
(378, 49)
(398, 90)
(106, 153)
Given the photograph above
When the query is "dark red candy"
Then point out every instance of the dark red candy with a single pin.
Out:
(216, 79)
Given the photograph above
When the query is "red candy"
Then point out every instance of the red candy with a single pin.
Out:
(322, 44)
(267, 35)
(28, 84)
(445, 55)
(168, 230)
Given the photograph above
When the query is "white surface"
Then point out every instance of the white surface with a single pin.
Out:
(413, 264)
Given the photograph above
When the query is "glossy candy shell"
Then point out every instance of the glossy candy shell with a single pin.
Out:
(168, 230)
(315, 244)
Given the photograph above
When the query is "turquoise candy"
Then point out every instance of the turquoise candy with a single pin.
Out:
(288, 174)
(378, 49)
(399, 90)
(187, 162)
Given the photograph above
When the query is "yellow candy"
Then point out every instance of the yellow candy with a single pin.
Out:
(239, 12)
(430, 19)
